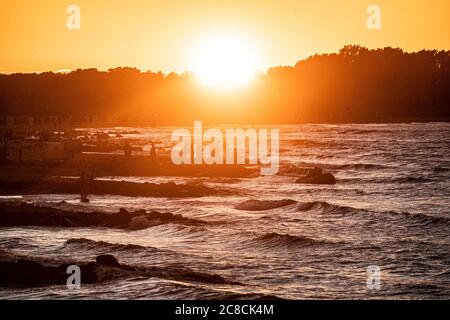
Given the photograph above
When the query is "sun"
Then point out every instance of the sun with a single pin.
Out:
(224, 61)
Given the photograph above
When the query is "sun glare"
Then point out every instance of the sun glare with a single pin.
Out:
(224, 61)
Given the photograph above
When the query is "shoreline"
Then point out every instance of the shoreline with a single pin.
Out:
(96, 124)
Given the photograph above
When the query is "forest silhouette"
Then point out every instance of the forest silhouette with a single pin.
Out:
(354, 85)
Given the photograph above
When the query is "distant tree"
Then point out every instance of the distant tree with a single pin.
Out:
(355, 84)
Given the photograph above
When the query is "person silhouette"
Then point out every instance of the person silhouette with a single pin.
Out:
(127, 150)
(86, 179)
(153, 153)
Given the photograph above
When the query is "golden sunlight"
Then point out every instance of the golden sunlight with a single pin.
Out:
(224, 61)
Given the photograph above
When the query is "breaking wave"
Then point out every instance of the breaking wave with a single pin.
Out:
(263, 205)
(276, 240)
(89, 244)
(328, 208)
(345, 166)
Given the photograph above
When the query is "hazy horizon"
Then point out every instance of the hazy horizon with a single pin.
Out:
(168, 72)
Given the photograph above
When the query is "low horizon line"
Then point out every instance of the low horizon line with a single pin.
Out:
(166, 73)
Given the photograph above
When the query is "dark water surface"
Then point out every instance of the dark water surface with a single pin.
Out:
(390, 208)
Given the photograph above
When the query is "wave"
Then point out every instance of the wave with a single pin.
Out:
(399, 180)
(13, 242)
(249, 296)
(307, 143)
(441, 169)
(263, 205)
(224, 180)
(357, 131)
(89, 244)
(328, 208)
(324, 207)
(408, 179)
(425, 219)
(362, 166)
(345, 166)
(276, 240)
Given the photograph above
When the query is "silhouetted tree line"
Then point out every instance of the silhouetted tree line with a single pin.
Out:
(354, 85)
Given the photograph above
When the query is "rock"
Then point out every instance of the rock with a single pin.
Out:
(139, 223)
(314, 172)
(23, 214)
(29, 273)
(325, 178)
(107, 260)
(294, 171)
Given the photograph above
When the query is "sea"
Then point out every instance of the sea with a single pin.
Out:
(381, 232)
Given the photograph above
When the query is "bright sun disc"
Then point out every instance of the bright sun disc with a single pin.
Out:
(224, 62)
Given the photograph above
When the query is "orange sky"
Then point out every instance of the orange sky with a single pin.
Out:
(157, 35)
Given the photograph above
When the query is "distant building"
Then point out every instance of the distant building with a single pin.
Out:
(27, 150)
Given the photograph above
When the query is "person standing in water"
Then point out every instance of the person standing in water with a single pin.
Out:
(153, 153)
(86, 179)
(127, 150)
